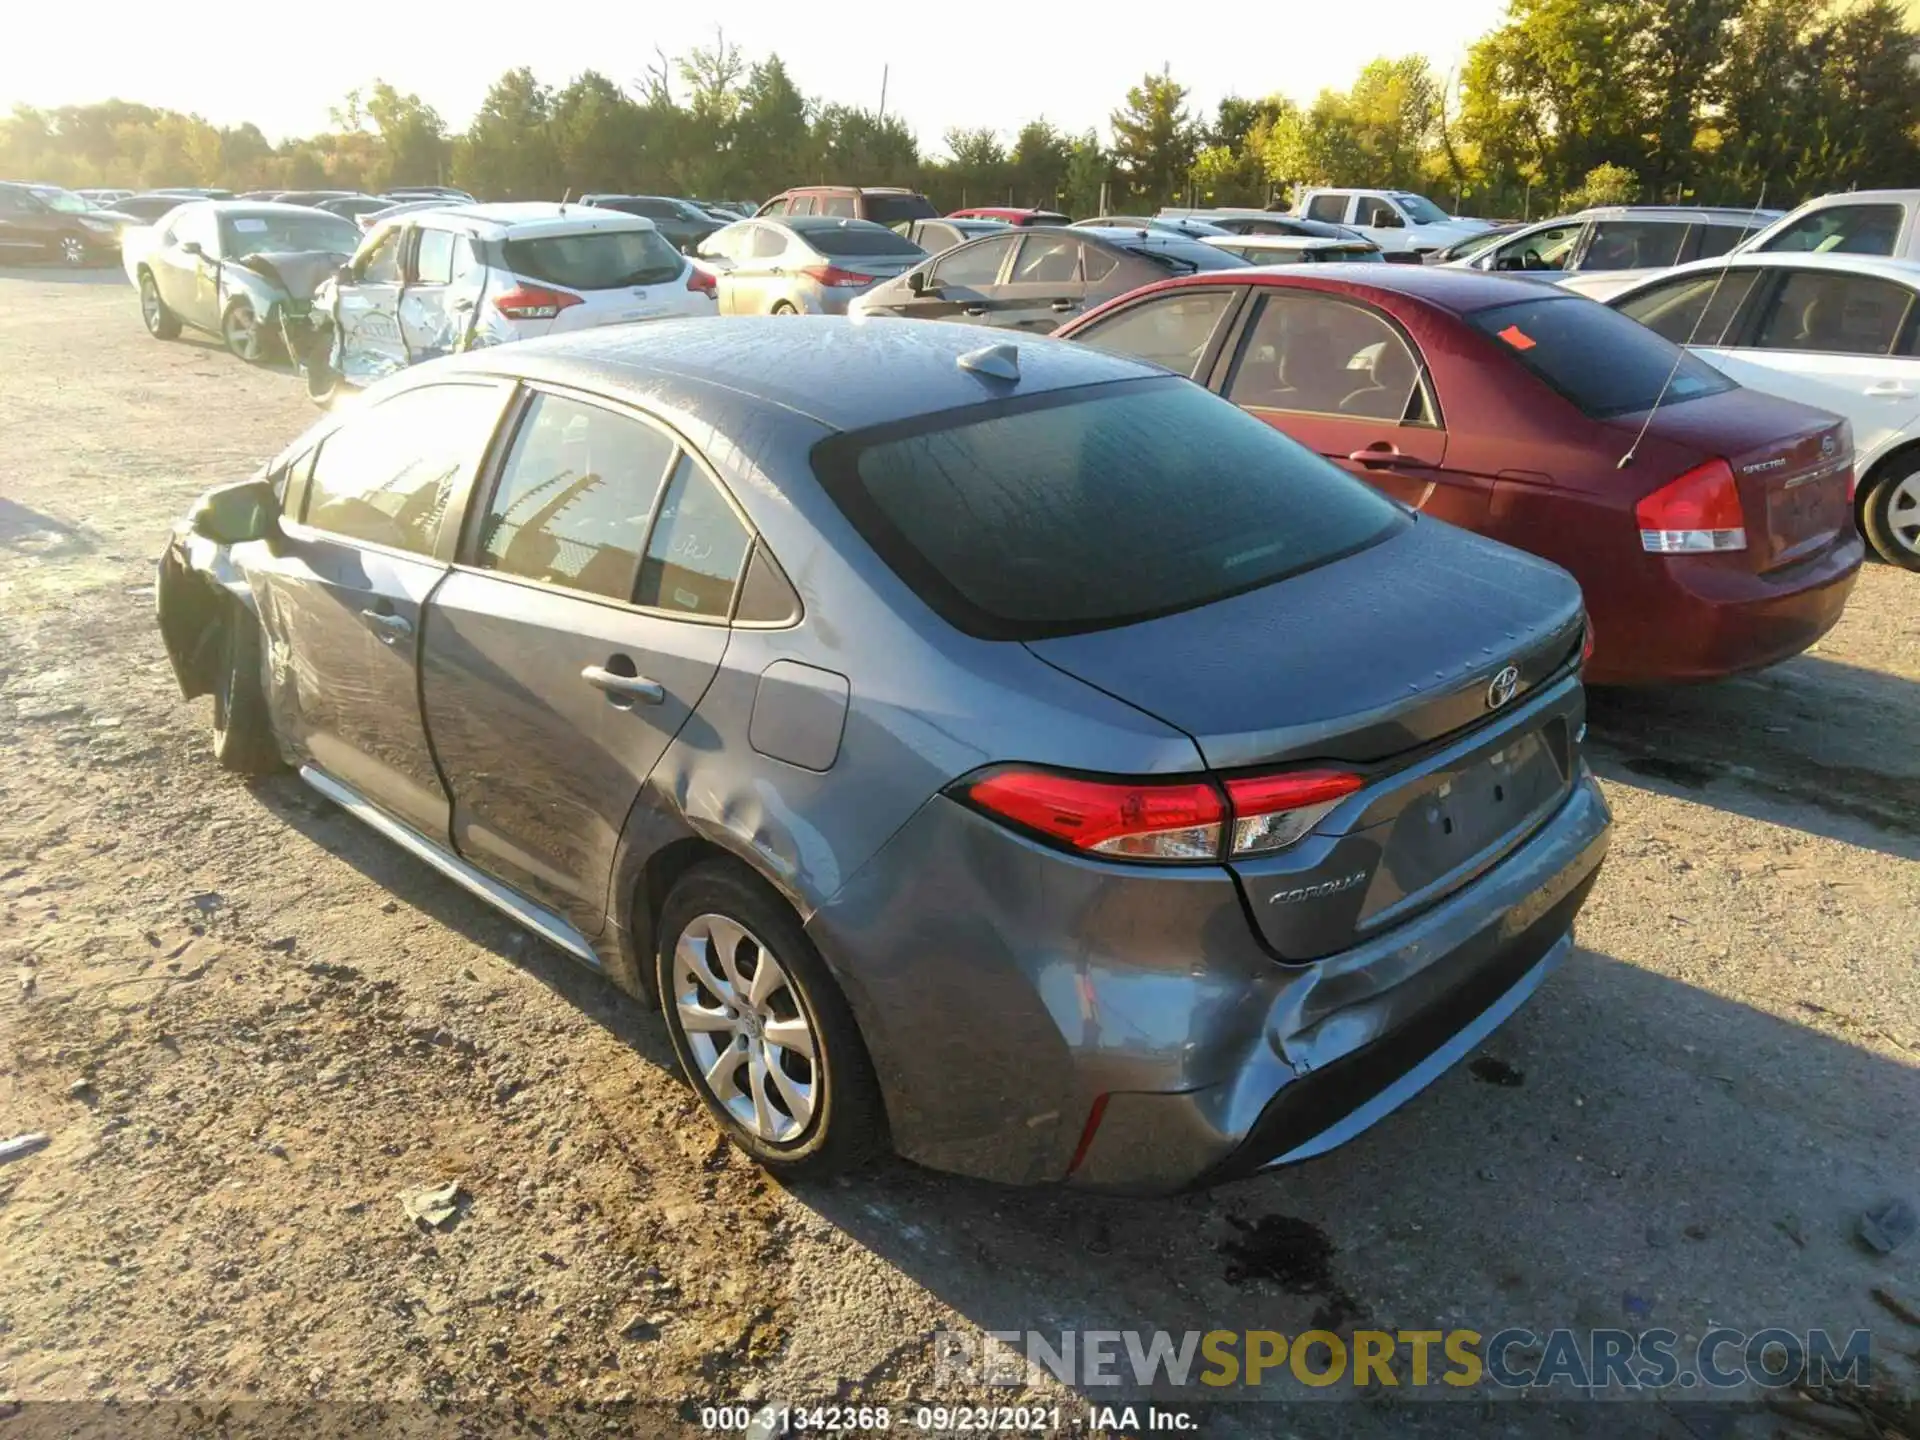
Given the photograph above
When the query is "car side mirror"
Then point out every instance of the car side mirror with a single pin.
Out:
(1510, 262)
(921, 282)
(235, 514)
(193, 248)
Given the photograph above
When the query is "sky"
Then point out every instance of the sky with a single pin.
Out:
(1068, 63)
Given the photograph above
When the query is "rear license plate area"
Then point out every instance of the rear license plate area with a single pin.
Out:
(1814, 508)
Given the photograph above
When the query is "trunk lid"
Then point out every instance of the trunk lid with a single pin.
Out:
(1793, 465)
(1434, 664)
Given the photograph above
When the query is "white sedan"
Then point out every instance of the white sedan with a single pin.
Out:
(1838, 331)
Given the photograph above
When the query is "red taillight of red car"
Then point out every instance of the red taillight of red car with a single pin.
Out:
(834, 277)
(1166, 821)
(533, 302)
(1697, 514)
(701, 281)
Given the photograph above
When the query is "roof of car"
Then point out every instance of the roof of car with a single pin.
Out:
(259, 208)
(530, 219)
(1444, 288)
(845, 374)
(1881, 267)
(1677, 214)
(1851, 197)
(1287, 242)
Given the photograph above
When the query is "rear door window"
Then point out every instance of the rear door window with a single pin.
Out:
(388, 474)
(1845, 229)
(1632, 245)
(766, 243)
(575, 498)
(1171, 331)
(595, 259)
(696, 550)
(1603, 362)
(1318, 356)
(1711, 241)
(1330, 206)
(1834, 313)
(1047, 259)
(845, 206)
(1094, 507)
(433, 257)
(1693, 309)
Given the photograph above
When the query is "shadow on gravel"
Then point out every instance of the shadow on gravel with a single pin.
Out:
(53, 273)
(32, 533)
(1669, 1156)
(1838, 738)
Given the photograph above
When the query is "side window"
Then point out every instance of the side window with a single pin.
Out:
(198, 225)
(574, 498)
(1096, 263)
(723, 244)
(778, 207)
(11, 202)
(1839, 314)
(1047, 260)
(973, 265)
(1172, 331)
(1694, 310)
(386, 476)
(381, 265)
(696, 549)
(1633, 245)
(433, 259)
(1548, 249)
(1711, 241)
(845, 206)
(766, 243)
(1376, 212)
(1324, 357)
(1330, 205)
(801, 205)
(465, 262)
(1845, 229)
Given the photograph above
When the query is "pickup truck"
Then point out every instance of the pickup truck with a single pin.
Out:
(1397, 221)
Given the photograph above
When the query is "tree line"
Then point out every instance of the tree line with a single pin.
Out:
(1565, 103)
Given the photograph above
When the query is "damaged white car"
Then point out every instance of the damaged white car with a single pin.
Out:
(439, 281)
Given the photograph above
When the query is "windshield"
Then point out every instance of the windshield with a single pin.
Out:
(243, 235)
(838, 238)
(1094, 507)
(597, 260)
(885, 209)
(1599, 359)
(65, 201)
(1420, 210)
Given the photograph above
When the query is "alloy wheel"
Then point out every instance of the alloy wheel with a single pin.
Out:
(73, 250)
(746, 1030)
(242, 335)
(150, 302)
(1903, 513)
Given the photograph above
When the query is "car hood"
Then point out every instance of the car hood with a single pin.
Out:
(296, 273)
(1363, 658)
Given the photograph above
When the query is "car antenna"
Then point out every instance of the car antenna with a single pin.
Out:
(565, 196)
(1680, 353)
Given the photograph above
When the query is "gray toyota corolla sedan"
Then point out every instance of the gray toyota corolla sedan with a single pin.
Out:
(1015, 756)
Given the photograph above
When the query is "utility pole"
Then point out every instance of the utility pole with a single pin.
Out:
(881, 119)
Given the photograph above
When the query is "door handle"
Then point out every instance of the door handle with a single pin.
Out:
(389, 627)
(1891, 389)
(1063, 305)
(975, 310)
(627, 687)
(1388, 455)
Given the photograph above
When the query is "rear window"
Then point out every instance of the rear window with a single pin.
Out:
(1094, 507)
(596, 260)
(1599, 359)
(1184, 257)
(885, 209)
(856, 239)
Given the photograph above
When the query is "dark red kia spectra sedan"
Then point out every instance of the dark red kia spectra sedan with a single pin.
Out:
(1712, 531)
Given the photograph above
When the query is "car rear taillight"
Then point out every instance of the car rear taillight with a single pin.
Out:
(533, 302)
(1586, 642)
(1696, 514)
(1167, 821)
(833, 275)
(1270, 812)
(702, 281)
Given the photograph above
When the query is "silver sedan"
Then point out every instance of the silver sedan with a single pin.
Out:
(802, 264)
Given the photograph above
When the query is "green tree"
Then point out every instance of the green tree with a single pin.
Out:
(1604, 185)
(413, 138)
(1155, 139)
(599, 135)
(1037, 169)
(976, 171)
(857, 147)
(1089, 172)
(510, 152)
(775, 144)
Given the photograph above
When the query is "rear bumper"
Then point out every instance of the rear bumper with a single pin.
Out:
(1705, 620)
(1004, 988)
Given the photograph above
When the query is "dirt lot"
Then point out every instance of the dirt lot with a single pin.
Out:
(248, 1024)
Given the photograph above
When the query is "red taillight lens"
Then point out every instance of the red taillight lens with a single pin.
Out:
(1586, 642)
(533, 302)
(1270, 812)
(1697, 514)
(1125, 819)
(833, 275)
(1165, 821)
(702, 281)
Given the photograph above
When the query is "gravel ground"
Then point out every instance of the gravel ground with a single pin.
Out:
(248, 1025)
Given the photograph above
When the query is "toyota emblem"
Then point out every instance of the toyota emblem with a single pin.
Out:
(1503, 687)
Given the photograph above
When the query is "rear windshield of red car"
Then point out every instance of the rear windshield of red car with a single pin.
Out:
(1094, 507)
(1599, 359)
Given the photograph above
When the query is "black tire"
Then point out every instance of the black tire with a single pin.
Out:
(323, 381)
(242, 733)
(783, 309)
(1890, 515)
(847, 1127)
(161, 322)
(245, 334)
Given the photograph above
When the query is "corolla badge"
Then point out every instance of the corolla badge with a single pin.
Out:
(1503, 687)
